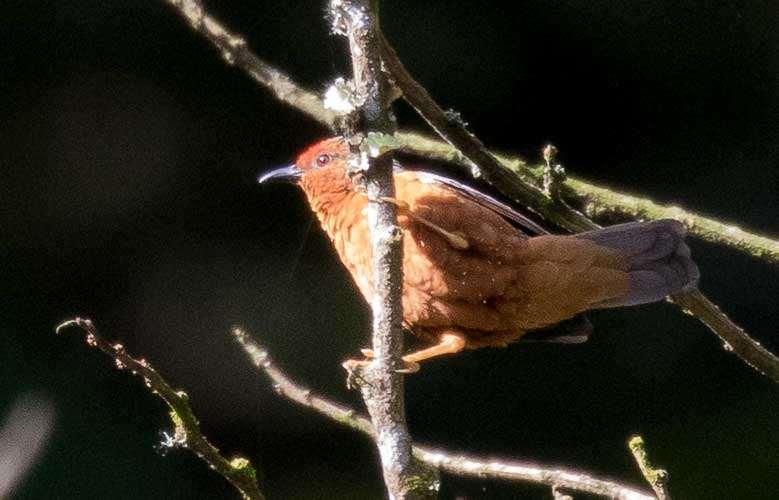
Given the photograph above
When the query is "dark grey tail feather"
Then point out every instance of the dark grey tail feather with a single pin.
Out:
(659, 259)
(571, 331)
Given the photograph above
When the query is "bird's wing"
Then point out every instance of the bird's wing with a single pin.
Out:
(526, 225)
(573, 331)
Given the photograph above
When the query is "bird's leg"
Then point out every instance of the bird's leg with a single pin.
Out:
(456, 240)
(448, 343)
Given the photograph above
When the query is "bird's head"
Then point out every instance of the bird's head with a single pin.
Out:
(320, 170)
(328, 154)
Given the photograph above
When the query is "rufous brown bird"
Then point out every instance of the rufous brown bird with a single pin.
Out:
(478, 273)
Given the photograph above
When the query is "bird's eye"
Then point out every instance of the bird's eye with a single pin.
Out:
(323, 160)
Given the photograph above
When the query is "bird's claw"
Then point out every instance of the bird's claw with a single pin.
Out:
(410, 366)
(354, 368)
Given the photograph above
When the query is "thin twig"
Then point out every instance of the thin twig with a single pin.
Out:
(734, 338)
(452, 129)
(238, 471)
(235, 51)
(382, 386)
(452, 463)
(657, 478)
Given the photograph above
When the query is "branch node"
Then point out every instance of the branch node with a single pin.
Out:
(557, 494)
(554, 174)
(657, 478)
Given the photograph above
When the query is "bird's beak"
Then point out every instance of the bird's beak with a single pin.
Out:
(289, 173)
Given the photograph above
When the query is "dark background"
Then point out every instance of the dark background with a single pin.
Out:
(128, 150)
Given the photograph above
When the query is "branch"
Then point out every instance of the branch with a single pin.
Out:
(734, 338)
(382, 384)
(657, 478)
(456, 464)
(483, 163)
(238, 471)
(235, 51)
(600, 203)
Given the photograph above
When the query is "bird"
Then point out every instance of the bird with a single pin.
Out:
(478, 273)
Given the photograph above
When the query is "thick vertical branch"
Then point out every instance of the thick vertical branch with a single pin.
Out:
(382, 386)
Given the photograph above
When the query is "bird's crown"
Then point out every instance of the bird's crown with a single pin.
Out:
(323, 154)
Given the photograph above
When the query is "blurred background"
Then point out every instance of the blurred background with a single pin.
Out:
(128, 152)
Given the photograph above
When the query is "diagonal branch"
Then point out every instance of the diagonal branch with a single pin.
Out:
(452, 463)
(483, 163)
(734, 338)
(235, 51)
(601, 203)
(238, 471)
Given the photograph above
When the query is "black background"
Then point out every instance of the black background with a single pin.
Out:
(128, 150)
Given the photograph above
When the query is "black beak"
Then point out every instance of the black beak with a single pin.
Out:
(289, 173)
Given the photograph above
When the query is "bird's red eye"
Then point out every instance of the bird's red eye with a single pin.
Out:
(323, 160)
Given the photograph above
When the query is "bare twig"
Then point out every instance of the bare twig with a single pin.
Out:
(657, 478)
(238, 471)
(235, 51)
(448, 462)
(734, 338)
(452, 129)
(382, 386)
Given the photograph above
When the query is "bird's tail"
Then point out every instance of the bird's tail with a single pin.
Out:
(659, 262)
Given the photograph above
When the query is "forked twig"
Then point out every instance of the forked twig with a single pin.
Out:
(238, 471)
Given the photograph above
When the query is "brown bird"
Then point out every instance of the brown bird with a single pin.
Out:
(471, 278)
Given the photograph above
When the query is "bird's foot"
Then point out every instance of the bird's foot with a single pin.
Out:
(409, 366)
(354, 372)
